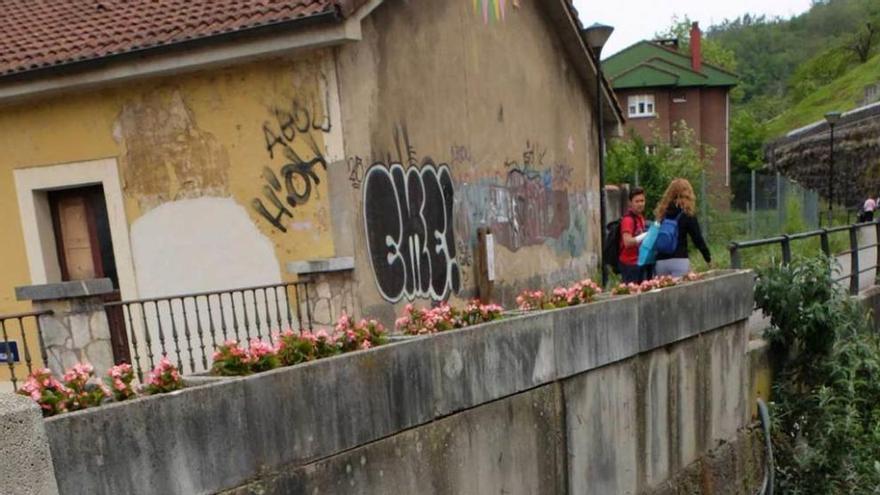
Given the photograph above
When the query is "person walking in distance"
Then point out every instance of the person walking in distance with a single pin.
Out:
(677, 215)
(632, 226)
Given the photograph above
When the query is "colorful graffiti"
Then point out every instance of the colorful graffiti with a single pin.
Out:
(530, 207)
(408, 225)
(491, 10)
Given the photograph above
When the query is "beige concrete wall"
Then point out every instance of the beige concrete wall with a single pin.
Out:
(495, 103)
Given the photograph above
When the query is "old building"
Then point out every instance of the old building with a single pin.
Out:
(185, 146)
(658, 87)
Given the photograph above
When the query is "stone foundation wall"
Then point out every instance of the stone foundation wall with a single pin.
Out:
(77, 331)
(333, 295)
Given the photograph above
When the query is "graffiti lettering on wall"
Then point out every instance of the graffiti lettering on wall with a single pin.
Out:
(409, 231)
(356, 171)
(292, 127)
(530, 207)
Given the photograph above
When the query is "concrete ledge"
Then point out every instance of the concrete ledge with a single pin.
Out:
(344, 263)
(220, 435)
(25, 460)
(683, 311)
(64, 290)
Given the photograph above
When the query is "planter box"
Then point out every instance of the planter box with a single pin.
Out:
(212, 437)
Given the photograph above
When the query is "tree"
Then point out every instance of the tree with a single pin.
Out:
(712, 51)
(747, 137)
(862, 42)
(632, 161)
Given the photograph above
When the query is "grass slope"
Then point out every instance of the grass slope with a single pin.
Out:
(842, 94)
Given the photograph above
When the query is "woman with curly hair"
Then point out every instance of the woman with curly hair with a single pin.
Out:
(679, 202)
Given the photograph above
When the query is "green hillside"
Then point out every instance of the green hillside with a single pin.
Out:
(842, 94)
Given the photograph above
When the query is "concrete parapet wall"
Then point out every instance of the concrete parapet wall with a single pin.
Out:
(510, 395)
(25, 460)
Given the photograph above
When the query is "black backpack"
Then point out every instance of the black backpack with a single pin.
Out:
(611, 253)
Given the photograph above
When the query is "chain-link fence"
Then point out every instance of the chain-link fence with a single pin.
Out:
(761, 205)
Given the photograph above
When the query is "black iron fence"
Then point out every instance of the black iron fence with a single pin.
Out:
(22, 339)
(187, 328)
(785, 244)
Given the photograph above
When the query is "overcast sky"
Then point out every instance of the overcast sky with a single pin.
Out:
(635, 20)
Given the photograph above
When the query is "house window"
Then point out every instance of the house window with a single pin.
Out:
(641, 106)
(651, 149)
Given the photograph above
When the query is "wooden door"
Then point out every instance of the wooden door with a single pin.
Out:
(85, 251)
(75, 236)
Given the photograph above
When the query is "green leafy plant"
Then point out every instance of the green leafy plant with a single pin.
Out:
(295, 348)
(631, 161)
(826, 394)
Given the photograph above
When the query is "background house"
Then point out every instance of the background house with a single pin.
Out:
(658, 86)
(190, 146)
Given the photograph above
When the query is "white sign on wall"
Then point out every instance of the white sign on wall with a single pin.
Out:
(490, 257)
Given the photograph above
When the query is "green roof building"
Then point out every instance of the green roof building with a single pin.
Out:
(658, 86)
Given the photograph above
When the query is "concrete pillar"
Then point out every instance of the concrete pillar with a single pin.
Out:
(77, 329)
(25, 460)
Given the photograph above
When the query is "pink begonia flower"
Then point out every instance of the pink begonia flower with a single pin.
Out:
(35, 395)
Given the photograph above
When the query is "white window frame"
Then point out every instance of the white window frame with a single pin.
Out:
(641, 105)
(32, 185)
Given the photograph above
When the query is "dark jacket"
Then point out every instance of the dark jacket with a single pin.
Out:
(687, 226)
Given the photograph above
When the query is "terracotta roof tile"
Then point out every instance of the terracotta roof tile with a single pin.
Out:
(45, 33)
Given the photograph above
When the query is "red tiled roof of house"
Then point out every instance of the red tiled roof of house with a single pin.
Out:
(36, 34)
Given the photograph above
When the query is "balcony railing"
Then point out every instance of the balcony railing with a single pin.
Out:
(22, 340)
(187, 328)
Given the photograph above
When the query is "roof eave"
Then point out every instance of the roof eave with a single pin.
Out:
(573, 41)
(326, 29)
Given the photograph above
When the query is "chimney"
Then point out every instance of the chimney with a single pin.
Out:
(696, 50)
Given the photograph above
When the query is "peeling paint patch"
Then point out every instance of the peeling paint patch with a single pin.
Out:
(166, 156)
(200, 244)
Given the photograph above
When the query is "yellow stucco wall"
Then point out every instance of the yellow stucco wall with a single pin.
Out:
(186, 136)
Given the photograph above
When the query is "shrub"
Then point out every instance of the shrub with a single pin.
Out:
(119, 380)
(581, 292)
(44, 389)
(475, 313)
(231, 360)
(295, 348)
(826, 410)
(361, 335)
(262, 356)
(165, 377)
(83, 394)
(416, 321)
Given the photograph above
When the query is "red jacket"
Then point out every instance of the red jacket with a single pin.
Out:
(633, 224)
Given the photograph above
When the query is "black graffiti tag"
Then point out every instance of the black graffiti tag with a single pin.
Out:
(408, 221)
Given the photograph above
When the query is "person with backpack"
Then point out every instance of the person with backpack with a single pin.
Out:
(632, 226)
(677, 215)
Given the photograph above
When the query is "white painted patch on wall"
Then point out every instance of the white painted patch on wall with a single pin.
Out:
(200, 244)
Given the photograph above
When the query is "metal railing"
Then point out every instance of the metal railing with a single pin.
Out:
(784, 241)
(10, 353)
(187, 328)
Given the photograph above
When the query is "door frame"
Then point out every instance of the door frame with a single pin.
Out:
(32, 185)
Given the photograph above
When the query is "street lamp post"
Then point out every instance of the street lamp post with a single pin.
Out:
(832, 118)
(597, 35)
